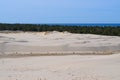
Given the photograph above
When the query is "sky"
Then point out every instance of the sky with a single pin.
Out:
(59, 11)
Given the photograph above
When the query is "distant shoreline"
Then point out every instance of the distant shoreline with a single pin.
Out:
(88, 24)
(72, 24)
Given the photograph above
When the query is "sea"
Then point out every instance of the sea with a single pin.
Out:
(89, 24)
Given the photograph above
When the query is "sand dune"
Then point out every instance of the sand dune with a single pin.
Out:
(29, 56)
(79, 67)
(56, 42)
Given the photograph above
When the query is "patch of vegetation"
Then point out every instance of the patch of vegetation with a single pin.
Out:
(101, 30)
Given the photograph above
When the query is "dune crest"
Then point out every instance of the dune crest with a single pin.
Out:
(57, 42)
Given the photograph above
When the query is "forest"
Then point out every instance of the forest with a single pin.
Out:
(101, 30)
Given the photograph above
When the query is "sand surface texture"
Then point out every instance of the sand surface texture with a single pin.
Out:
(20, 56)
(72, 67)
(56, 43)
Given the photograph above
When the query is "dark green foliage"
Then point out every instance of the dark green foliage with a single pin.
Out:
(106, 30)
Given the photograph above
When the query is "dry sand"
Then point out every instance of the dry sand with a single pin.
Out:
(57, 43)
(72, 67)
(15, 47)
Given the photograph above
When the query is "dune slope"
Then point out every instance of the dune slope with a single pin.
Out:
(94, 67)
(57, 43)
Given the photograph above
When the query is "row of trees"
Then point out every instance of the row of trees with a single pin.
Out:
(102, 30)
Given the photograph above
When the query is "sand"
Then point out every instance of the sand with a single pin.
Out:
(57, 43)
(34, 56)
(72, 67)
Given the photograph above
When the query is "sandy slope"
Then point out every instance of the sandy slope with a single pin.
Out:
(56, 42)
(71, 67)
(94, 67)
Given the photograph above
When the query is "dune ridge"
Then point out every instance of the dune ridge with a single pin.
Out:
(42, 56)
(56, 43)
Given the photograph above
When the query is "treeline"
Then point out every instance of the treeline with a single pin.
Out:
(102, 30)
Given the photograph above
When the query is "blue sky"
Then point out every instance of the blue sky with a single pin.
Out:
(59, 11)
